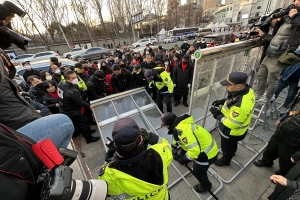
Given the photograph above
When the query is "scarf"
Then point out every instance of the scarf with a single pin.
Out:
(54, 94)
(184, 66)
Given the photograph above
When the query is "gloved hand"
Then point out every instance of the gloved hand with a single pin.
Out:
(215, 111)
(183, 160)
(218, 102)
(149, 137)
(109, 154)
(189, 85)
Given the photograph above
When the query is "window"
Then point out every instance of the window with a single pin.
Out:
(144, 41)
(230, 8)
(258, 7)
(257, 14)
(227, 9)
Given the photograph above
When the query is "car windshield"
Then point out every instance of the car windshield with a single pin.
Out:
(76, 49)
(23, 56)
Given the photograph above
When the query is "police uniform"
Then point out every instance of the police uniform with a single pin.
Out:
(197, 145)
(163, 83)
(139, 173)
(234, 117)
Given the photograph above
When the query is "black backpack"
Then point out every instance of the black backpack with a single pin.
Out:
(19, 166)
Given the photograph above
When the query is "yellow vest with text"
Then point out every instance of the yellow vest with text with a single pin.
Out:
(81, 84)
(187, 130)
(238, 118)
(165, 83)
(124, 186)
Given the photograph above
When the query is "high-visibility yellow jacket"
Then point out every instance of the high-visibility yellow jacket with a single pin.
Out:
(195, 139)
(237, 113)
(125, 186)
(81, 84)
(164, 84)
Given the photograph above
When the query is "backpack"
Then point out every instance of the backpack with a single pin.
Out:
(19, 166)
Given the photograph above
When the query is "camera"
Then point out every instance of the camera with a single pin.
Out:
(7, 36)
(285, 11)
(59, 185)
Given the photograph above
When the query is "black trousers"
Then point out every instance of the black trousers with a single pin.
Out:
(88, 114)
(177, 98)
(229, 146)
(81, 124)
(277, 149)
(152, 91)
(160, 97)
(200, 170)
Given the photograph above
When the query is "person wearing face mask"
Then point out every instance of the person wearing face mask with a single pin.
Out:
(29, 71)
(176, 61)
(139, 58)
(148, 50)
(36, 89)
(70, 101)
(128, 57)
(86, 68)
(96, 86)
(197, 44)
(111, 61)
(118, 53)
(203, 44)
(138, 78)
(44, 75)
(79, 68)
(123, 65)
(182, 78)
(56, 74)
(185, 47)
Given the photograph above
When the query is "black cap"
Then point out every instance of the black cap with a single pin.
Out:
(54, 59)
(125, 131)
(235, 78)
(160, 47)
(137, 66)
(168, 118)
(78, 65)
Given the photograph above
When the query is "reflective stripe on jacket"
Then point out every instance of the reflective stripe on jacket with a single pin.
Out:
(187, 130)
(237, 117)
(124, 186)
(165, 83)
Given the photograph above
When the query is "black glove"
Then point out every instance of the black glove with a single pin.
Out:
(218, 102)
(183, 160)
(109, 154)
(215, 111)
(149, 137)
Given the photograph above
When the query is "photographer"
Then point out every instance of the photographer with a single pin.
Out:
(137, 172)
(270, 67)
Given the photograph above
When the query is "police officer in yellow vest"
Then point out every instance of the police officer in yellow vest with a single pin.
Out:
(137, 172)
(196, 144)
(160, 79)
(235, 116)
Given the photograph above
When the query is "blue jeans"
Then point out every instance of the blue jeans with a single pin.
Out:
(293, 89)
(59, 128)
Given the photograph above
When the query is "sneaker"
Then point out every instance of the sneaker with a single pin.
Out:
(262, 100)
(283, 110)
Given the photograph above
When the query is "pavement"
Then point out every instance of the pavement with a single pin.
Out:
(251, 184)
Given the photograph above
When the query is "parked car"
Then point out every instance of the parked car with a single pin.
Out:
(72, 52)
(92, 53)
(42, 56)
(19, 59)
(144, 42)
(172, 39)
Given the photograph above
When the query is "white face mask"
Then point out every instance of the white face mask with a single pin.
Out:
(57, 71)
(27, 67)
(185, 41)
(75, 81)
(198, 41)
(193, 57)
(175, 59)
(48, 78)
(166, 63)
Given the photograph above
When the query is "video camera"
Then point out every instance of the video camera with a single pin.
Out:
(59, 185)
(264, 21)
(8, 36)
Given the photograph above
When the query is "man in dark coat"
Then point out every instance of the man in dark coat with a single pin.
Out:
(182, 79)
(185, 47)
(29, 71)
(139, 80)
(96, 86)
(121, 80)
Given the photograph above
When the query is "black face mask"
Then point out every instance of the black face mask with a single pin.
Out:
(112, 60)
(122, 66)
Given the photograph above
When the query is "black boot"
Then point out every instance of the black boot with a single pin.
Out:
(200, 188)
(92, 139)
(222, 161)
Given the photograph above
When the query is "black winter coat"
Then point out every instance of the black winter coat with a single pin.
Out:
(27, 73)
(185, 47)
(50, 102)
(96, 89)
(146, 65)
(122, 82)
(56, 77)
(38, 93)
(139, 80)
(118, 54)
(70, 99)
(182, 79)
(85, 77)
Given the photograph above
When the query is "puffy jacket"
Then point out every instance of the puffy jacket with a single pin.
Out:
(96, 89)
(124, 186)
(182, 79)
(139, 80)
(195, 140)
(185, 47)
(15, 111)
(50, 102)
(236, 114)
(37, 92)
(70, 99)
(122, 82)
(279, 43)
(31, 72)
